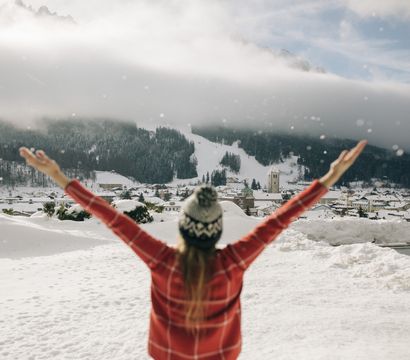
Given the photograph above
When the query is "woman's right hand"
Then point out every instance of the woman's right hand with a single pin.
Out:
(342, 163)
(41, 162)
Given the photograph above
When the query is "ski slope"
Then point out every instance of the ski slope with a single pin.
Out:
(209, 155)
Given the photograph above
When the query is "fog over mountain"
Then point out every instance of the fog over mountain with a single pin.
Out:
(179, 62)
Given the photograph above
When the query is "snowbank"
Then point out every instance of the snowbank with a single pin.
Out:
(76, 208)
(350, 230)
(386, 267)
(126, 205)
(231, 209)
(40, 236)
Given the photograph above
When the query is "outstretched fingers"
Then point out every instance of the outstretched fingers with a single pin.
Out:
(28, 155)
(35, 160)
(342, 155)
(42, 156)
(356, 151)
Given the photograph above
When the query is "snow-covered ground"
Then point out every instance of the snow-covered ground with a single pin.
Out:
(350, 230)
(73, 291)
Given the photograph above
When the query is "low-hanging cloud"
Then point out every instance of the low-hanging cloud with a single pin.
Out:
(180, 62)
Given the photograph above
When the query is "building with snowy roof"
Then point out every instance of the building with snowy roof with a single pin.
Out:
(110, 180)
(174, 206)
(261, 196)
(330, 197)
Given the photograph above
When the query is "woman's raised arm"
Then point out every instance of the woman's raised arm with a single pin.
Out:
(246, 250)
(149, 249)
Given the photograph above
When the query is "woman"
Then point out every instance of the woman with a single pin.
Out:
(195, 288)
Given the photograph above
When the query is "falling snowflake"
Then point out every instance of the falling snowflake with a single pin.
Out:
(395, 147)
(73, 114)
(325, 152)
(369, 130)
(292, 127)
(322, 137)
(161, 115)
(62, 151)
(322, 161)
(308, 148)
(359, 122)
(399, 152)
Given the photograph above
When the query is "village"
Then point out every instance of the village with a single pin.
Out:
(375, 203)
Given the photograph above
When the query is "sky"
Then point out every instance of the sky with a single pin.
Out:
(193, 62)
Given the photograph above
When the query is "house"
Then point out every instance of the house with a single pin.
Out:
(364, 204)
(330, 197)
(260, 196)
(246, 199)
(263, 209)
(110, 180)
(111, 186)
(174, 206)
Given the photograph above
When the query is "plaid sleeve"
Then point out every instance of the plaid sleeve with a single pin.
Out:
(246, 250)
(150, 250)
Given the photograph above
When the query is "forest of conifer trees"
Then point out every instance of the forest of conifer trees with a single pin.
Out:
(83, 146)
(314, 153)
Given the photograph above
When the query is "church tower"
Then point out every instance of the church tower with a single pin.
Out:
(273, 180)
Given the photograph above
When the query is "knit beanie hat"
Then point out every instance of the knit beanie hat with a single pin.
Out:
(200, 222)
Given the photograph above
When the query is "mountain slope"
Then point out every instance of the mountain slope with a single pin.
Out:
(315, 154)
(209, 155)
(164, 155)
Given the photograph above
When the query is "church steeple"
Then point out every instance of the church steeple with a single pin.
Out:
(273, 180)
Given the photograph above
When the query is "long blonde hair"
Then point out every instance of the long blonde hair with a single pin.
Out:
(196, 265)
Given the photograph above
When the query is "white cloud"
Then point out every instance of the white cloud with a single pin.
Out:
(380, 8)
(183, 59)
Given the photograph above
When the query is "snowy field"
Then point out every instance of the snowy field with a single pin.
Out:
(73, 291)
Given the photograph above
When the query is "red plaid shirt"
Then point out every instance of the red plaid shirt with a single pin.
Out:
(219, 336)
